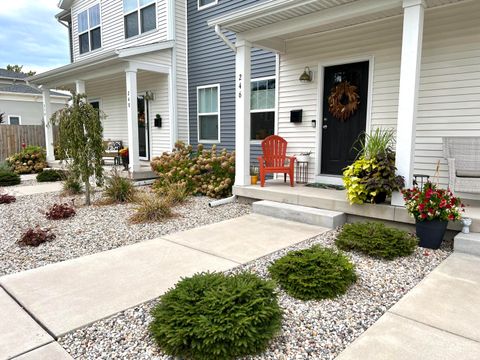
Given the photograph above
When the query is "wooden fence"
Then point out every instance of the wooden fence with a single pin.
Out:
(13, 136)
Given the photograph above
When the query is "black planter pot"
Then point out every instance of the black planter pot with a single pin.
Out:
(125, 162)
(380, 198)
(431, 233)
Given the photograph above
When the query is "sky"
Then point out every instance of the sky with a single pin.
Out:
(31, 36)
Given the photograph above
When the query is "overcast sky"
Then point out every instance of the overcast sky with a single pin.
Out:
(31, 36)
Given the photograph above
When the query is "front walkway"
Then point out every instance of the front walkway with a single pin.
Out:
(438, 319)
(65, 296)
(40, 188)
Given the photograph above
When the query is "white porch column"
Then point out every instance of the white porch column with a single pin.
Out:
(132, 119)
(47, 113)
(242, 113)
(80, 87)
(409, 88)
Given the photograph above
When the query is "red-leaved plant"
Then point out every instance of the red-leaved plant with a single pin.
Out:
(36, 236)
(432, 203)
(7, 199)
(60, 211)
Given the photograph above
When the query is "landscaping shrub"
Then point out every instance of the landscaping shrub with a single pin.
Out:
(60, 211)
(36, 236)
(314, 274)
(9, 178)
(175, 193)
(50, 175)
(215, 316)
(205, 172)
(151, 208)
(376, 239)
(7, 199)
(72, 186)
(31, 159)
(119, 189)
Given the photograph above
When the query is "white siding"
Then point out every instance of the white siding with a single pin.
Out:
(112, 27)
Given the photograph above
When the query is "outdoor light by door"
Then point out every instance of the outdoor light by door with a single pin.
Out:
(157, 122)
(149, 95)
(307, 76)
(314, 124)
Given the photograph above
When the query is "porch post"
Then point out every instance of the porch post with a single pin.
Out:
(242, 113)
(132, 119)
(47, 113)
(80, 87)
(409, 89)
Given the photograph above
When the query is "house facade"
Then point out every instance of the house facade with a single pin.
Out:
(129, 58)
(413, 65)
(22, 103)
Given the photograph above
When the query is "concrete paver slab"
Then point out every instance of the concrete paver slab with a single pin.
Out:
(448, 299)
(52, 351)
(393, 337)
(35, 189)
(71, 294)
(246, 238)
(18, 331)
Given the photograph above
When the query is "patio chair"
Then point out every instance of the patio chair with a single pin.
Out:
(463, 157)
(274, 159)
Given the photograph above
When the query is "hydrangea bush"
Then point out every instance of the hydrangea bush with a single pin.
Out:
(31, 159)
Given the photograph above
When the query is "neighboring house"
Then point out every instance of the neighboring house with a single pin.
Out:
(415, 63)
(129, 58)
(211, 80)
(22, 103)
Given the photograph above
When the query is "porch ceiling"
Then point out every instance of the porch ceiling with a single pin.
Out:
(273, 22)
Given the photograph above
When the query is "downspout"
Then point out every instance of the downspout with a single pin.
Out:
(221, 35)
(227, 200)
(69, 27)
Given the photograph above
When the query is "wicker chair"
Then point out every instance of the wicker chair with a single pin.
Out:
(463, 156)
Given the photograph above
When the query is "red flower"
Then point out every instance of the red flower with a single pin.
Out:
(451, 217)
(423, 216)
(443, 203)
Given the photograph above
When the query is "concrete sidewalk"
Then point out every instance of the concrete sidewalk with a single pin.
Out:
(65, 296)
(439, 319)
(34, 189)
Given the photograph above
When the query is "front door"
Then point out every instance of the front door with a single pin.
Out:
(143, 128)
(346, 88)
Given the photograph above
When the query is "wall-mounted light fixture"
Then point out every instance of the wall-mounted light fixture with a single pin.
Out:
(307, 75)
(157, 122)
(149, 95)
(314, 124)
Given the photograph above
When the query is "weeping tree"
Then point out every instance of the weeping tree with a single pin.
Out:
(81, 141)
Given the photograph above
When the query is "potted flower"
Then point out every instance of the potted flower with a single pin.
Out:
(432, 209)
(124, 155)
(253, 175)
(303, 157)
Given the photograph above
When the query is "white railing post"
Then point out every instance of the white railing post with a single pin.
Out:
(132, 116)
(47, 113)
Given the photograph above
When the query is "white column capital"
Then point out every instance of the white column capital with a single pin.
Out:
(243, 43)
(411, 3)
(80, 87)
(130, 70)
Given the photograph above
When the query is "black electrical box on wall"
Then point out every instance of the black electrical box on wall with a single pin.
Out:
(296, 116)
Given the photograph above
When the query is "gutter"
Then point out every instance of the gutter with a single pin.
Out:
(221, 35)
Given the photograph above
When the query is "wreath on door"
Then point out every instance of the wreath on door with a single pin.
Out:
(343, 101)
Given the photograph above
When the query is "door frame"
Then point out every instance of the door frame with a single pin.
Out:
(337, 179)
(147, 128)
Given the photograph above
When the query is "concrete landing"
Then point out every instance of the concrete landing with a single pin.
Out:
(467, 243)
(52, 351)
(437, 320)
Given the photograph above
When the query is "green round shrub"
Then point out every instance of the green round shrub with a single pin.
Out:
(50, 175)
(216, 316)
(314, 274)
(376, 239)
(9, 178)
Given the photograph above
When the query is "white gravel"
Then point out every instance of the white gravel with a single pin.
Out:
(92, 229)
(311, 330)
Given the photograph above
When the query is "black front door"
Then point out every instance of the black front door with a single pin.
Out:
(340, 132)
(143, 127)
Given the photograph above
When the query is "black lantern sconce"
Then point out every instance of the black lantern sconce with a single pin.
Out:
(157, 122)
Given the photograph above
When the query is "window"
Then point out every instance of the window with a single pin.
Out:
(14, 119)
(202, 4)
(208, 100)
(140, 16)
(262, 105)
(89, 33)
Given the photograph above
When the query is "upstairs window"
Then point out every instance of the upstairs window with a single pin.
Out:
(208, 100)
(89, 33)
(140, 16)
(262, 109)
(202, 4)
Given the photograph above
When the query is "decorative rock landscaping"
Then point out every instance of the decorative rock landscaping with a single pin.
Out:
(311, 330)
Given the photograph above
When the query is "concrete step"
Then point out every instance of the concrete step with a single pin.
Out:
(307, 215)
(467, 243)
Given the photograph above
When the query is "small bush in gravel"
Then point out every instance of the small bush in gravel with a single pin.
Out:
(60, 211)
(7, 199)
(31, 159)
(9, 178)
(119, 189)
(176, 193)
(216, 316)
(376, 239)
(72, 186)
(151, 208)
(314, 274)
(50, 175)
(36, 236)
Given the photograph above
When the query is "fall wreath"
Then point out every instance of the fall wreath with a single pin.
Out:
(343, 100)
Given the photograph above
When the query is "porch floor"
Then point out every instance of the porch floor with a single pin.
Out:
(330, 199)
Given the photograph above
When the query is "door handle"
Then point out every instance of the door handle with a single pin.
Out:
(324, 127)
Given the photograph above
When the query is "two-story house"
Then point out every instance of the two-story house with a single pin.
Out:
(129, 58)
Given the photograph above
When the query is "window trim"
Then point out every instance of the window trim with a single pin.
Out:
(274, 110)
(14, 116)
(89, 29)
(138, 10)
(200, 141)
(202, 7)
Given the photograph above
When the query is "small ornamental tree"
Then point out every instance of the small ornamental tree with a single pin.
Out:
(81, 141)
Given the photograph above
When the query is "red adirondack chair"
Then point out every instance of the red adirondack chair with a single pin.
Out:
(274, 158)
